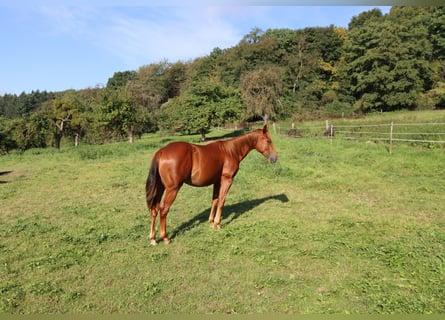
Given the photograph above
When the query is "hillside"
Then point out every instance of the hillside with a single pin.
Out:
(379, 63)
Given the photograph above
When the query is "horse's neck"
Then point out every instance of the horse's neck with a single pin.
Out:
(242, 145)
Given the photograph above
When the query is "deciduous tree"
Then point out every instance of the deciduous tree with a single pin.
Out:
(205, 104)
(261, 91)
(388, 59)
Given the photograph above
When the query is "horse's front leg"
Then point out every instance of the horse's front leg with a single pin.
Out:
(226, 183)
(216, 187)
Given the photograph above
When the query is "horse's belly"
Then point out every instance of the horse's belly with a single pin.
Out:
(206, 166)
(199, 178)
(205, 173)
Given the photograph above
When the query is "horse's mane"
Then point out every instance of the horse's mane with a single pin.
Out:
(241, 144)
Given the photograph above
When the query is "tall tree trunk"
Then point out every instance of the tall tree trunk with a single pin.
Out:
(301, 46)
(203, 135)
(57, 139)
(131, 134)
(76, 139)
(59, 130)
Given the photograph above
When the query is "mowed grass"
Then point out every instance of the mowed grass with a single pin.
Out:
(329, 228)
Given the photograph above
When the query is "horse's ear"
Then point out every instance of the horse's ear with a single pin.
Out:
(265, 129)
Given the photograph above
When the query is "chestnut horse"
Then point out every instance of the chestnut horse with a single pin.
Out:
(199, 165)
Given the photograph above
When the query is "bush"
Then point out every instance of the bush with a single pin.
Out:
(338, 108)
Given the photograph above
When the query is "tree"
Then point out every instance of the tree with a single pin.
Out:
(324, 42)
(120, 79)
(147, 89)
(64, 108)
(152, 86)
(7, 106)
(174, 78)
(82, 123)
(118, 115)
(29, 132)
(388, 60)
(6, 141)
(364, 18)
(121, 116)
(261, 91)
(435, 98)
(436, 30)
(13, 106)
(205, 104)
(298, 62)
(254, 36)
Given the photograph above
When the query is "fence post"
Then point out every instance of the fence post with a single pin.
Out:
(390, 138)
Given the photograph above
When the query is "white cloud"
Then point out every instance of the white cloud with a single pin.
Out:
(66, 20)
(167, 33)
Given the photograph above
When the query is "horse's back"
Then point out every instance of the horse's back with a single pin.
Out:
(178, 148)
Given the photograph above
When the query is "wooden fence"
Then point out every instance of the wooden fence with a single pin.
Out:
(430, 133)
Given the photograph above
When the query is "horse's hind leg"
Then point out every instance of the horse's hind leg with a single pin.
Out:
(170, 196)
(154, 212)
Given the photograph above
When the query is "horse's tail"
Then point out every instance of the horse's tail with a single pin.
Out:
(153, 180)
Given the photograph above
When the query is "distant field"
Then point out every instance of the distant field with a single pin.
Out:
(339, 227)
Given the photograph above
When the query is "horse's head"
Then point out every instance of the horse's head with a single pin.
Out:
(265, 146)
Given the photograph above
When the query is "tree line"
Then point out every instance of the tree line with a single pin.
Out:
(379, 63)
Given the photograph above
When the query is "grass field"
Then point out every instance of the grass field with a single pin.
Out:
(329, 228)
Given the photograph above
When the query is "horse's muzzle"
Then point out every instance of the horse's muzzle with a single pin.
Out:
(273, 157)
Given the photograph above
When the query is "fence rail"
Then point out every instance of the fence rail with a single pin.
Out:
(430, 132)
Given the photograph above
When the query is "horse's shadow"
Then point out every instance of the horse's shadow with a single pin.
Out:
(4, 173)
(234, 210)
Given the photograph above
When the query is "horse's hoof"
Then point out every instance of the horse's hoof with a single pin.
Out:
(216, 226)
(167, 241)
(153, 242)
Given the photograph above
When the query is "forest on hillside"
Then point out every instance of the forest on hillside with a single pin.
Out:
(379, 63)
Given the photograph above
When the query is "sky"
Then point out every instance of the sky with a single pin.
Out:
(60, 45)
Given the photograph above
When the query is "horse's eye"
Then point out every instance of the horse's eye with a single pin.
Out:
(269, 141)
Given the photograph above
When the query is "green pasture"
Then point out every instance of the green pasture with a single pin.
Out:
(332, 227)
